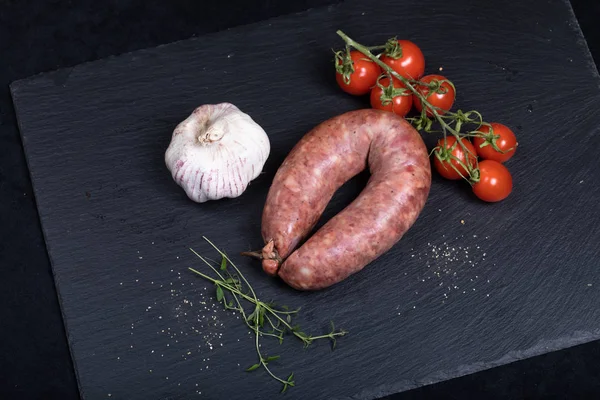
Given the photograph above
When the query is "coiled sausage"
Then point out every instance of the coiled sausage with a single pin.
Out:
(322, 161)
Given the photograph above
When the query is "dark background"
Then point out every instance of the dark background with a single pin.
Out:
(42, 36)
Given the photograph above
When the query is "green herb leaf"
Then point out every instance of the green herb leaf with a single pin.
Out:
(252, 368)
(220, 293)
(250, 318)
(235, 293)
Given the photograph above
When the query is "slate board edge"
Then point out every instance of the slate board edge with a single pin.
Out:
(13, 86)
(384, 390)
(544, 347)
(24, 81)
(55, 277)
(584, 44)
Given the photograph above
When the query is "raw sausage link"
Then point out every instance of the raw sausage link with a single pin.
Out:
(321, 162)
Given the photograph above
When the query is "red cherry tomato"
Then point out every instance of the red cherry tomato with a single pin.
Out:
(356, 75)
(406, 58)
(438, 92)
(495, 181)
(391, 98)
(451, 154)
(504, 139)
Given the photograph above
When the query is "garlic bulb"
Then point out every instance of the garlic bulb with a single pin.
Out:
(216, 152)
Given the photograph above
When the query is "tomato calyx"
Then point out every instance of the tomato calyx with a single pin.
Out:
(344, 65)
(445, 154)
(474, 176)
(461, 118)
(436, 86)
(490, 139)
(393, 48)
(433, 96)
(422, 122)
(465, 117)
(390, 91)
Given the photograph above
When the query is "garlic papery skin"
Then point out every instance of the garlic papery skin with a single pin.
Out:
(216, 152)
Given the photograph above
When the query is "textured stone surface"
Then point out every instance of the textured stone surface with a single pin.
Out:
(515, 280)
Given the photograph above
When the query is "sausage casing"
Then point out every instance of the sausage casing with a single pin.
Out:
(322, 161)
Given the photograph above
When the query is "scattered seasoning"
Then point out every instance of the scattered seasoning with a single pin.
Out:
(235, 293)
(448, 267)
(178, 317)
(199, 321)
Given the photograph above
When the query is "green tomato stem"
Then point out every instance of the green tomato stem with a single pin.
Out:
(409, 85)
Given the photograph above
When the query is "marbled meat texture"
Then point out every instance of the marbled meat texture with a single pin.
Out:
(321, 162)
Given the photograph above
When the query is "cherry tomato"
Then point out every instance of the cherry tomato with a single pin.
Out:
(410, 62)
(495, 181)
(450, 154)
(391, 98)
(503, 137)
(361, 71)
(440, 95)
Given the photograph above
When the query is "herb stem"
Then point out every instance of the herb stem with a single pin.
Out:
(280, 320)
(233, 265)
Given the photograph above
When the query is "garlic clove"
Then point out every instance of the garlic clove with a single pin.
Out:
(216, 152)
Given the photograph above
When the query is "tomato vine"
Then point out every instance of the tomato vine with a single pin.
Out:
(433, 96)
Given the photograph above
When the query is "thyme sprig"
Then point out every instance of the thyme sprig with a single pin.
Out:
(264, 319)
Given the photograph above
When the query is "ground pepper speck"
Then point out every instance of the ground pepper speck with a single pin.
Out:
(452, 267)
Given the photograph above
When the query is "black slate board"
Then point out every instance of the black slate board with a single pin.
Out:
(516, 279)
